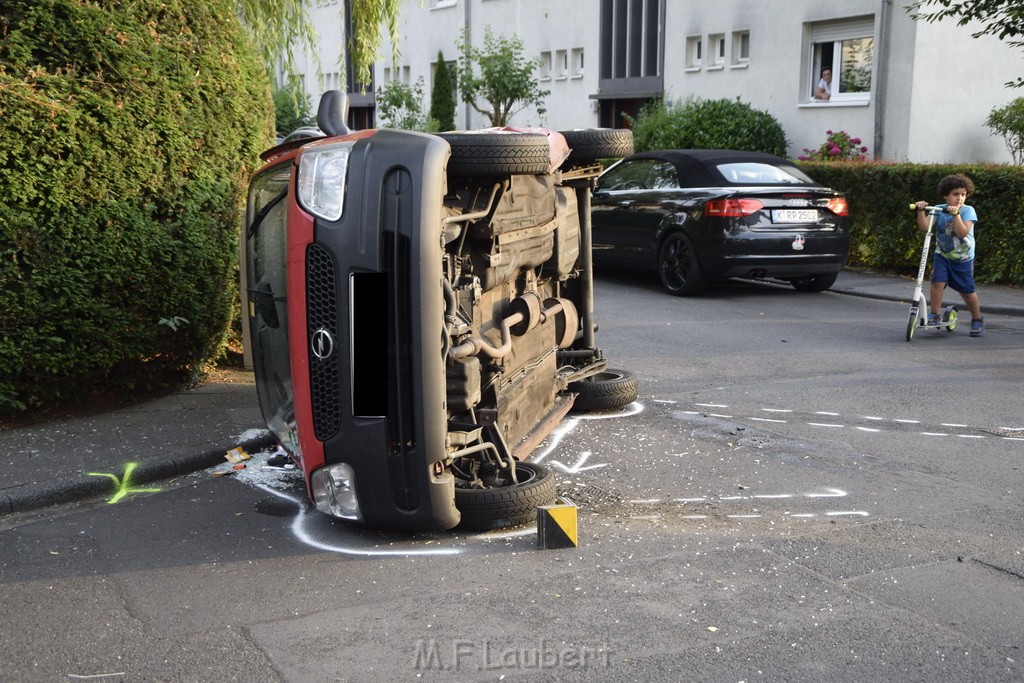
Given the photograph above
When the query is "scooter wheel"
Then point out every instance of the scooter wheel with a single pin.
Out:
(911, 324)
(949, 317)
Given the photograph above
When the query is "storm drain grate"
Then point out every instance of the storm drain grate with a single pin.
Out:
(1002, 329)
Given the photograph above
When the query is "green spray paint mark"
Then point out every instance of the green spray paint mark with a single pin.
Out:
(123, 486)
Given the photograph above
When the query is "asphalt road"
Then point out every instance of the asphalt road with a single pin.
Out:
(798, 495)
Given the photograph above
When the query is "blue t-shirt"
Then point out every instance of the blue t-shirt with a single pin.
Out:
(946, 241)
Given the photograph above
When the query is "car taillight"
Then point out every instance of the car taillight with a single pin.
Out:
(732, 208)
(838, 206)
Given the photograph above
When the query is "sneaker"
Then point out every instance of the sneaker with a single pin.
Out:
(933, 319)
(977, 327)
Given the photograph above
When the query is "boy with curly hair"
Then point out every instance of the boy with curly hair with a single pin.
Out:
(953, 263)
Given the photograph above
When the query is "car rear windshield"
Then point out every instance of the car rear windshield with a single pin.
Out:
(757, 173)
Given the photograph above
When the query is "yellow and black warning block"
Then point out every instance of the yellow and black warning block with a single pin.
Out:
(557, 525)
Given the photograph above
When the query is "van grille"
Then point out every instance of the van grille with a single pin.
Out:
(322, 315)
(396, 264)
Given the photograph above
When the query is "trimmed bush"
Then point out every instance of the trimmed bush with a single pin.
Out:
(127, 131)
(706, 124)
(884, 231)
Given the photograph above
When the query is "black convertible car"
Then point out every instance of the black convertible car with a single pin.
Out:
(701, 215)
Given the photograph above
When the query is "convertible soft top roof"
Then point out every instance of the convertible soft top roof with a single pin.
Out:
(699, 165)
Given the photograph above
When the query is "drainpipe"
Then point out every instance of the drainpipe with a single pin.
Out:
(883, 70)
(466, 24)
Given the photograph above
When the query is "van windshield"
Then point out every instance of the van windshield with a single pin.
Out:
(265, 286)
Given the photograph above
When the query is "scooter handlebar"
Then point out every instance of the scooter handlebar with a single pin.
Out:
(929, 209)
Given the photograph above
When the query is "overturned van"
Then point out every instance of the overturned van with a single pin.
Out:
(421, 315)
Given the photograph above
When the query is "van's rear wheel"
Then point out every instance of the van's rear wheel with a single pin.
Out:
(503, 506)
(497, 154)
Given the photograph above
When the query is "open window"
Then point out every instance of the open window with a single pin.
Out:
(846, 49)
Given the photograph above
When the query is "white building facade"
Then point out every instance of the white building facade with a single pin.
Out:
(912, 91)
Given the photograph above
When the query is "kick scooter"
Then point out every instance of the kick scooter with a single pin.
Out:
(919, 305)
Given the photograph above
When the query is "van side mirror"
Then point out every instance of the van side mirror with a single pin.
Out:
(332, 114)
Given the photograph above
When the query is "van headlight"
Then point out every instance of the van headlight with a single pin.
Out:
(334, 491)
(322, 173)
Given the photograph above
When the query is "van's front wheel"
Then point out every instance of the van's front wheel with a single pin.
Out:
(498, 507)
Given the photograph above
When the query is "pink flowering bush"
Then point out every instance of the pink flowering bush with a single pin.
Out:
(838, 146)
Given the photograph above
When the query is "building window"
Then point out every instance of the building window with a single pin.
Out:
(717, 54)
(631, 38)
(740, 47)
(846, 49)
(437, 4)
(561, 68)
(544, 66)
(577, 62)
(329, 81)
(694, 52)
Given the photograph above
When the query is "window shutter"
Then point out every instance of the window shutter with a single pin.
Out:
(830, 31)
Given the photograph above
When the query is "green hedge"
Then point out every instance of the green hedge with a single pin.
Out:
(127, 131)
(884, 230)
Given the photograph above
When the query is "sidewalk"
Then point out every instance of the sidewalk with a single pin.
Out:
(48, 463)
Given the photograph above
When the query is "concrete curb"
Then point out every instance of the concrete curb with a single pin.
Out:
(986, 308)
(35, 496)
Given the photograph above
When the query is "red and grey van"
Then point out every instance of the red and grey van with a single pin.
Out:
(421, 315)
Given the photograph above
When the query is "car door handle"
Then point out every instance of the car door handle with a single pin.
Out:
(627, 203)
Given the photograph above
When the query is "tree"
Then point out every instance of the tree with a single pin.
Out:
(291, 109)
(1008, 121)
(442, 97)
(506, 78)
(401, 106)
(1001, 18)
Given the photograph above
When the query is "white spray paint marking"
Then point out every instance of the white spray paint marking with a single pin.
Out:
(559, 432)
(933, 434)
(823, 424)
(825, 412)
(776, 410)
(275, 480)
(580, 465)
(970, 436)
(952, 424)
(302, 533)
(833, 493)
(711, 405)
(767, 419)
(868, 429)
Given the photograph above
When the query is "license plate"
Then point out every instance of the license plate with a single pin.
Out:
(794, 215)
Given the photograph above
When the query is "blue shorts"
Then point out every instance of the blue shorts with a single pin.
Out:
(957, 274)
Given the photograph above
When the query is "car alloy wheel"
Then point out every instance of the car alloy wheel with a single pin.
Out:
(678, 269)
